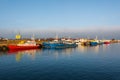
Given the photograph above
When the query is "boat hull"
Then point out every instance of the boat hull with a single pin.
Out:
(106, 42)
(58, 45)
(93, 43)
(53, 45)
(15, 47)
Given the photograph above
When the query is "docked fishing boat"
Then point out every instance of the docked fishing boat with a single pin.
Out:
(81, 41)
(58, 44)
(69, 43)
(100, 42)
(96, 42)
(53, 44)
(24, 45)
(78, 42)
(93, 43)
(106, 42)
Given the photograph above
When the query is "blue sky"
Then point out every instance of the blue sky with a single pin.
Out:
(29, 16)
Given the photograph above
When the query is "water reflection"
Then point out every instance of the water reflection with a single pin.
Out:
(19, 54)
(2, 53)
(44, 52)
(94, 49)
(56, 52)
(83, 49)
(103, 65)
(106, 46)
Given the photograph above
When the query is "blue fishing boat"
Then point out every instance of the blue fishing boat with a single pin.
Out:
(93, 43)
(58, 44)
(53, 44)
(96, 42)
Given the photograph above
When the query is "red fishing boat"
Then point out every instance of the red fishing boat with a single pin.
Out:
(106, 42)
(23, 46)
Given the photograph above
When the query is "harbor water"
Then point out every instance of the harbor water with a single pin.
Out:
(100, 62)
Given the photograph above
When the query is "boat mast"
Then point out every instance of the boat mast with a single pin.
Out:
(33, 37)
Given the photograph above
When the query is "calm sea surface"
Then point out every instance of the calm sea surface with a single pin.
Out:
(80, 63)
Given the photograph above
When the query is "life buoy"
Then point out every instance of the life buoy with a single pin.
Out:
(4, 48)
